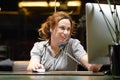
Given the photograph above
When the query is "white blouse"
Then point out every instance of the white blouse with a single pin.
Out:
(62, 61)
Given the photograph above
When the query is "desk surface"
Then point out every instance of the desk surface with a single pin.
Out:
(55, 75)
(23, 77)
(62, 73)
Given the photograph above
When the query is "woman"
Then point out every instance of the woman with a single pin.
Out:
(59, 52)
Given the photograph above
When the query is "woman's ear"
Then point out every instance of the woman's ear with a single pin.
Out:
(51, 30)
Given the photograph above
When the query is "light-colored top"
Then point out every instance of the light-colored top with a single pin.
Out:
(63, 62)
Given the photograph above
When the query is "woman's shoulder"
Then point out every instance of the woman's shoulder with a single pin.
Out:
(73, 40)
(41, 43)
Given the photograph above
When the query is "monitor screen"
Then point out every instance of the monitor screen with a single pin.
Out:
(97, 33)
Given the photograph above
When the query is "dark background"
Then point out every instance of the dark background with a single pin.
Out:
(18, 28)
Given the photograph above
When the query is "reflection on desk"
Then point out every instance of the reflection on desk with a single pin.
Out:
(55, 75)
(30, 77)
(73, 73)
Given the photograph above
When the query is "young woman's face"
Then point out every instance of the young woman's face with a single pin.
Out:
(62, 30)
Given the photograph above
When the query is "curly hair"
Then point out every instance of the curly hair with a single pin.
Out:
(44, 30)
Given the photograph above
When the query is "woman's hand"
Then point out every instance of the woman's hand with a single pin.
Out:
(37, 66)
(34, 64)
(94, 67)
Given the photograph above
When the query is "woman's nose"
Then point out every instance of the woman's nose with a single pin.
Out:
(65, 32)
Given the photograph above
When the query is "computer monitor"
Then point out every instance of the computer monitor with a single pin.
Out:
(97, 34)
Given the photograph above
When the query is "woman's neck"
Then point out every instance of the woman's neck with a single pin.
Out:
(54, 47)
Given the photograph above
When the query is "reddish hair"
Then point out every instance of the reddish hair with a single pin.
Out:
(51, 21)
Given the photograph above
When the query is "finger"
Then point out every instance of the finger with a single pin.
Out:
(35, 66)
(40, 66)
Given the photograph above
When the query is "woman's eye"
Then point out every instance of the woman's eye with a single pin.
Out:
(68, 29)
(62, 28)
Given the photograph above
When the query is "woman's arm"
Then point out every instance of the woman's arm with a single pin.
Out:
(34, 64)
(90, 67)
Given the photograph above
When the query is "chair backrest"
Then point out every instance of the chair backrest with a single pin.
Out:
(20, 65)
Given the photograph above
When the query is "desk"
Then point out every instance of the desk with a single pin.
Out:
(64, 73)
(54, 75)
